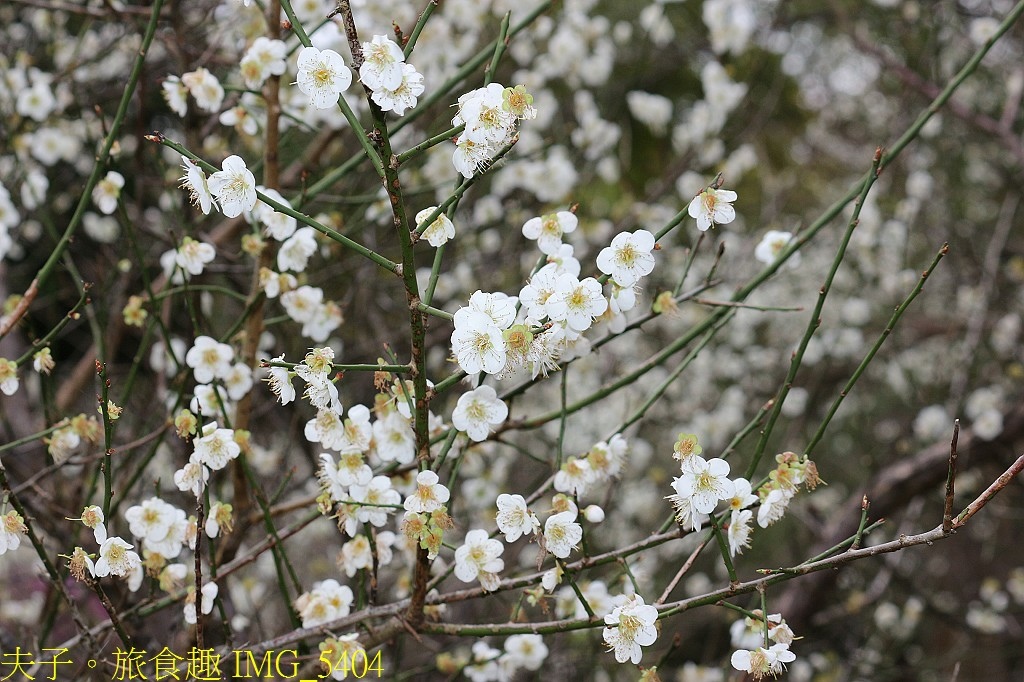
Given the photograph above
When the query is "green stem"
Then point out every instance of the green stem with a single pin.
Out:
(418, 28)
(897, 314)
(723, 546)
(348, 243)
(101, 159)
(815, 320)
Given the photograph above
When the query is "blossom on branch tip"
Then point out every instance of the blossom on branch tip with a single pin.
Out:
(774, 243)
(478, 411)
(634, 627)
(205, 88)
(234, 186)
(12, 527)
(192, 256)
(479, 557)
(514, 519)
(107, 191)
(280, 381)
(322, 76)
(712, 207)
(628, 258)
(117, 557)
(437, 232)
(477, 342)
(761, 662)
(382, 64)
(739, 531)
(265, 58)
(429, 495)
(548, 229)
(8, 376)
(562, 533)
(194, 180)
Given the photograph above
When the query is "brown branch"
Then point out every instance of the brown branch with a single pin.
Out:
(889, 491)
(947, 510)
(990, 492)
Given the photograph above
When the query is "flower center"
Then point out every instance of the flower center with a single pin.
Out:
(627, 255)
(323, 76)
(476, 411)
(482, 342)
(116, 554)
(629, 625)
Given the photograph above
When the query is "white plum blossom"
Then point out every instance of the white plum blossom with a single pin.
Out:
(209, 359)
(514, 519)
(151, 519)
(478, 411)
(320, 389)
(194, 180)
(280, 226)
(437, 232)
(192, 256)
(574, 476)
(541, 291)
(548, 229)
(774, 243)
(350, 470)
(703, 483)
(297, 250)
(276, 283)
(327, 601)
(36, 102)
(773, 506)
(628, 258)
(477, 342)
(12, 527)
(238, 381)
(356, 554)
(8, 376)
(263, 59)
(382, 64)
(240, 118)
(479, 557)
(234, 186)
(712, 207)
(107, 191)
(357, 430)
(490, 115)
(631, 626)
(302, 304)
(176, 94)
(762, 662)
(487, 121)
(280, 381)
(326, 428)
(373, 495)
(739, 531)
(577, 302)
(205, 88)
(192, 478)
(117, 558)
(215, 448)
(562, 533)
(526, 651)
(208, 596)
(742, 497)
(429, 495)
(404, 96)
(394, 439)
(654, 111)
(499, 307)
(323, 76)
